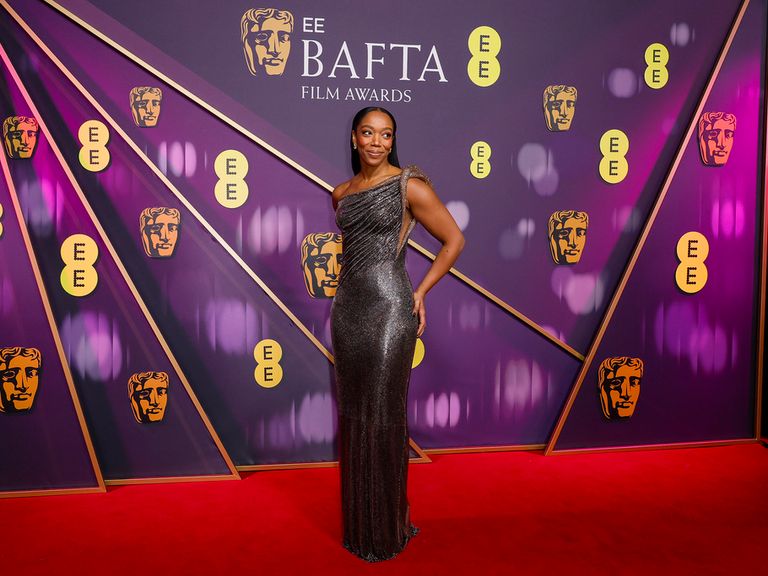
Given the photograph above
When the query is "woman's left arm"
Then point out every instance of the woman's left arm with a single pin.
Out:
(428, 210)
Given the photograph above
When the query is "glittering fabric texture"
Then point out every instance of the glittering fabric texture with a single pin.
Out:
(374, 335)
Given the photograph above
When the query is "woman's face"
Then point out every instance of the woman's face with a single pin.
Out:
(374, 137)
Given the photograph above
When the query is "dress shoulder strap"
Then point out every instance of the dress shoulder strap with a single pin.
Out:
(411, 171)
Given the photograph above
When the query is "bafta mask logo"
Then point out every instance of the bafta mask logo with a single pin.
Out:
(567, 235)
(148, 392)
(19, 376)
(618, 383)
(321, 260)
(559, 107)
(266, 35)
(145, 105)
(159, 231)
(20, 136)
(716, 130)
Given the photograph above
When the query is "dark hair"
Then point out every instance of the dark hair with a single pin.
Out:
(354, 155)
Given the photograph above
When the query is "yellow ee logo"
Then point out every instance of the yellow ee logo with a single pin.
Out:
(484, 45)
(692, 250)
(268, 373)
(480, 166)
(1, 217)
(614, 146)
(231, 166)
(79, 253)
(418, 353)
(93, 135)
(656, 74)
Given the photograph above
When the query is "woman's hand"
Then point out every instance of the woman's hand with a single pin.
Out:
(421, 311)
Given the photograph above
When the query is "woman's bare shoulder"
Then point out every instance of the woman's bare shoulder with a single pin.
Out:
(339, 191)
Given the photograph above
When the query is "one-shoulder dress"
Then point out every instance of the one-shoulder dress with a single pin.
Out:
(373, 332)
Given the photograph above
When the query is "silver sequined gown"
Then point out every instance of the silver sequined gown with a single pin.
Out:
(374, 335)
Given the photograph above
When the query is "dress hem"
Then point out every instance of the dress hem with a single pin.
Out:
(371, 558)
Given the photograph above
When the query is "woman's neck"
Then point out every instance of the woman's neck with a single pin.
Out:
(374, 173)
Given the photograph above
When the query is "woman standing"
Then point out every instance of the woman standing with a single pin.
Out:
(376, 317)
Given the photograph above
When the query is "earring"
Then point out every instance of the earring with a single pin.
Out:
(354, 146)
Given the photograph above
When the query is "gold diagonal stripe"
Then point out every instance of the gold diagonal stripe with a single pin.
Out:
(665, 446)
(56, 338)
(118, 263)
(59, 349)
(313, 177)
(760, 368)
(422, 457)
(513, 311)
(64, 70)
(587, 364)
(169, 479)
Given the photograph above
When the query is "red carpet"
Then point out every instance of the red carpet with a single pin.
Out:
(701, 511)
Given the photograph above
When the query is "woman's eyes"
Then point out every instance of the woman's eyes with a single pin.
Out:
(384, 135)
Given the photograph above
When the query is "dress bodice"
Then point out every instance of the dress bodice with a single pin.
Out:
(375, 223)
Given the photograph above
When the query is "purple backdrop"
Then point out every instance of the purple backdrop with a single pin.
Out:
(698, 381)
(43, 448)
(534, 172)
(486, 378)
(105, 335)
